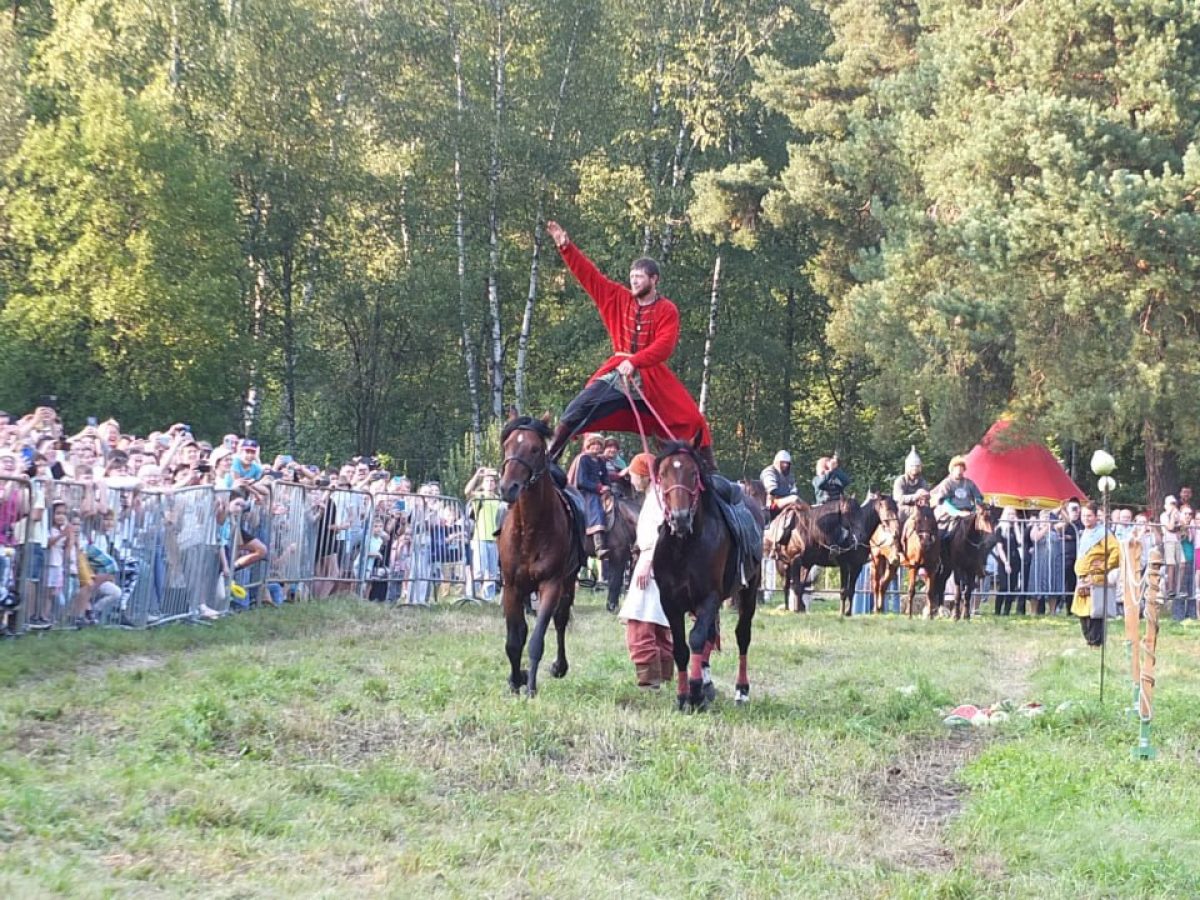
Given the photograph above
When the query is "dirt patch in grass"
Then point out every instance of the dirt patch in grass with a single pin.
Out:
(124, 664)
(918, 791)
(52, 732)
(917, 794)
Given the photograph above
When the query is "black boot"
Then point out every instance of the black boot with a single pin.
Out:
(562, 434)
(600, 545)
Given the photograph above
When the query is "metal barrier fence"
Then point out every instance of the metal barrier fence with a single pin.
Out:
(76, 553)
(1033, 569)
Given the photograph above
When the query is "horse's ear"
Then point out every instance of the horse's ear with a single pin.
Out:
(547, 418)
(696, 440)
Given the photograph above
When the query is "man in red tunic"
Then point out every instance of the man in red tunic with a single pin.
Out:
(644, 329)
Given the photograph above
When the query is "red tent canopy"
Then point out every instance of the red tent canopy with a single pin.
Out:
(1026, 475)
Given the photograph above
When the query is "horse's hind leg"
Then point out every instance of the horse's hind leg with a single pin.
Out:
(746, 607)
(562, 615)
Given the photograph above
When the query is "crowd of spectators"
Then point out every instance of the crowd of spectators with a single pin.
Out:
(286, 529)
(66, 534)
(1033, 564)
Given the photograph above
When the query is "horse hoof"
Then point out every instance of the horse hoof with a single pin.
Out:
(709, 692)
(611, 607)
(521, 680)
(741, 694)
(681, 702)
(557, 672)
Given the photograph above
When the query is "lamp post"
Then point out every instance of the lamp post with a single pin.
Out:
(1103, 465)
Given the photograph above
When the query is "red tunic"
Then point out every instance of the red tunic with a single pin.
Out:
(650, 334)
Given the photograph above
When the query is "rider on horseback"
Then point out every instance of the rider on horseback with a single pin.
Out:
(644, 329)
(831, 480)
(591, 478)
(910, 488)
(957, 495)
(779, 483)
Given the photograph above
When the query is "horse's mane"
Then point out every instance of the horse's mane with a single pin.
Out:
(525, 423)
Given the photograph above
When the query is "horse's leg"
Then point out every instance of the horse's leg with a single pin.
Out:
(518, 629)
(937, 592)
(848, 580)
(562, 615)
(549, 593)
(798, 578)
(617, 564)
(741, 690)
(699, 643)
(679, 642)
(881, 586)
(873, 575)
(912, 590)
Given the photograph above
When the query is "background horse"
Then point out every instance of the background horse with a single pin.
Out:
(964, 555)
(833, 534)
(696, 567)
(884, 550)
(620, 517)
(920, 548)
(779, 573)
(539, 549)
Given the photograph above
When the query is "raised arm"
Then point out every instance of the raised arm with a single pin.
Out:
(604, 291)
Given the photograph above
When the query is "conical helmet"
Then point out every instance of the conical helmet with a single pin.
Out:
(913, 458)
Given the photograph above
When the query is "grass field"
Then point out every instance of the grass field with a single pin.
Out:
(341, 749)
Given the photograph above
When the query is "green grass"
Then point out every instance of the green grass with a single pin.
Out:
(340, 749)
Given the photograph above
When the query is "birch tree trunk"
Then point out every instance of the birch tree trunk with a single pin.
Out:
(460, 237)
(493, 277)
(712, 333)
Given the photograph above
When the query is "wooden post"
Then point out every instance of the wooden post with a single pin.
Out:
(1148, 650)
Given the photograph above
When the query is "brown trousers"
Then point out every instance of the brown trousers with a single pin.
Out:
(652, 652)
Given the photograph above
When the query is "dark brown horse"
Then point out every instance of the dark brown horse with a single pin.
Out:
(920, 548)
(539, 550)
(885, 554)
(835, 534)
(696, 567)
(964, 555)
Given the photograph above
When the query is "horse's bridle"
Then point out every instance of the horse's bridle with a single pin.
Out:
(534, 474)
(693, 492)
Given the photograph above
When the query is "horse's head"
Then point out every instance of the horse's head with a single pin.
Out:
(987, 517)
(925, 526)
(679, 483)
(523, 442)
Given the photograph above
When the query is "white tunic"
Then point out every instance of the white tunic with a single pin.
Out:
(644, 605)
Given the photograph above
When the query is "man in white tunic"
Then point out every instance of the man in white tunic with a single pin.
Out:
(647, 632)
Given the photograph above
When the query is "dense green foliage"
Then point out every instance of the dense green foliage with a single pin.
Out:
(323, 220)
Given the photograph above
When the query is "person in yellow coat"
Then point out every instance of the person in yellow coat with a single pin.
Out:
(1094, 597)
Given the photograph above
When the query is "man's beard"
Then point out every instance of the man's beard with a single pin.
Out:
(641, 295)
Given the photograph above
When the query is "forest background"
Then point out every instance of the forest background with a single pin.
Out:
(885, 223)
